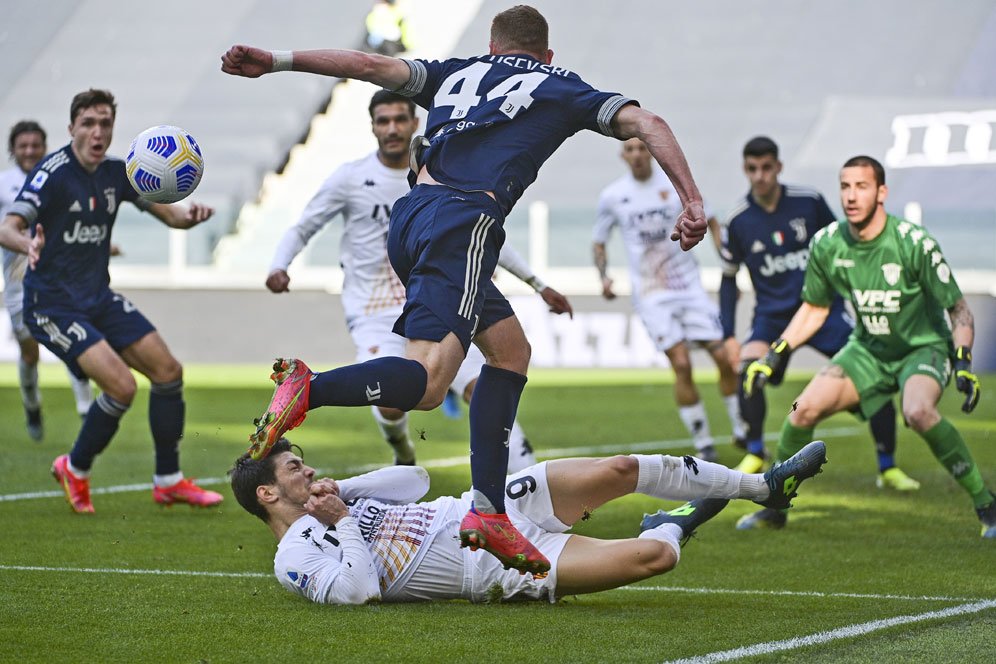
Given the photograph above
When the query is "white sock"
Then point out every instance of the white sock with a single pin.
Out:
(163, 481)
(671, 478)
(30, 394)
(697, 423)
(670, 534)
(82, 392)
(733, 410)
(395, 432)
(519, 456)
(80, 474)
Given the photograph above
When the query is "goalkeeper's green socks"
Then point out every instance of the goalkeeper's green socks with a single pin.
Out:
(793, 439)
(950, 449)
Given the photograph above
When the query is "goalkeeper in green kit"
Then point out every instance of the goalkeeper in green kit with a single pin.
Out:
(896, 278)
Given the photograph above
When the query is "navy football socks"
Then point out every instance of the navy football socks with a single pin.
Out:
(99, 426)
(166, 417)
(492, 412)
(391, 382)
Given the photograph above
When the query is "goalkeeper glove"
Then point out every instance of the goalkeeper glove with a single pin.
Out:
(760, 371)
(966, 381)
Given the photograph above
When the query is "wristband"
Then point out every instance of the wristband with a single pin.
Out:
(536, 283)
(282, 60)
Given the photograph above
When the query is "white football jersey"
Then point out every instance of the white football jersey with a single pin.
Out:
(368, 555)
(645, 213)
(364, 192)
(14, 264)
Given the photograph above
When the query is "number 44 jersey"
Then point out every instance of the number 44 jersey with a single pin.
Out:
(494, 119)
(899, 284)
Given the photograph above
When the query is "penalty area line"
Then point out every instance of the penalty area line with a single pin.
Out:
(850, 631)
(445, 462)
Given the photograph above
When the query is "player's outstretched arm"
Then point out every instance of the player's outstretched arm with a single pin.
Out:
(181, 216)
(632, 121)
(804, 324)
(252, 62)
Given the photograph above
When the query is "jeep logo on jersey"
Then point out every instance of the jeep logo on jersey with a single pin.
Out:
(872, 301)
(93, 234)
(891, 272)
(794, 260)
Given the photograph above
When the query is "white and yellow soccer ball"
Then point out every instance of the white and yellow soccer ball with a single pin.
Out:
(164, 164)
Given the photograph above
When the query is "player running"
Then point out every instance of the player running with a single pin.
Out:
(896, 278)
(667, 289)
(363, 192)
(70, 203)
(365, 538)
(26, 144)
(769, 232)
(493, 120)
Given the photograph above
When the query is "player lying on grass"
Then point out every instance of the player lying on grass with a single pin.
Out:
(365, 538)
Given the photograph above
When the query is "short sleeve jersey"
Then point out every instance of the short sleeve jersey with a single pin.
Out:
(775, 246)
(645, 213)
(363, 191)
(899, 284)
(77, 210)
(494, 119)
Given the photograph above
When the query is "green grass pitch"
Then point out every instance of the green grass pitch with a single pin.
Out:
(138, 582)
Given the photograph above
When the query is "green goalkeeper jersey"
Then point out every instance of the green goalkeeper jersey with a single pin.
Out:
(898, 283)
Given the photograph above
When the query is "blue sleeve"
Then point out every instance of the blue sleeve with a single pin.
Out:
(594, 110)
(37, 194)
(728, 295)
(823, 212)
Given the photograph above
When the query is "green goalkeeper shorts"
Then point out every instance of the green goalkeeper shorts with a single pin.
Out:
(877, 380)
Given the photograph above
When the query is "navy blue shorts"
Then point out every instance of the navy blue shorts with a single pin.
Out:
(444, 245)
(828, 340)
(68, 331)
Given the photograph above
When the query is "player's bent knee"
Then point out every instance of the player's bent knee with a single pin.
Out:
(622, 465)
(921, 416)
(805, 415)
(660, 559)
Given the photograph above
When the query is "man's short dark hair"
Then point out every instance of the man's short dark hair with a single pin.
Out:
(760, 146)
(24, 127)
(247, 474)
(521, 28)
(388, 97)
(865, 160)
(90, 98)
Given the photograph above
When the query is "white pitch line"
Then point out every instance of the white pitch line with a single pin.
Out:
(797, 593)
(125, 570)
(847, 632)
(445, 462)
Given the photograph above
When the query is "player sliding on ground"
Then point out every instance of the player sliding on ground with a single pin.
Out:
(493, 121)
(364, 538)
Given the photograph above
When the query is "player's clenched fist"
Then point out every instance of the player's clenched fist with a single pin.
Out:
(247, 61)
(691, 226)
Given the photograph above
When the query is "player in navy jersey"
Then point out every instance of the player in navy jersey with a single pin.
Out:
(769, 232)
(493, 120)
(27, 145)
(69, 203)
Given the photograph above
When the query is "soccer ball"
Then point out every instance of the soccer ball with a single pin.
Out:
(164, 164)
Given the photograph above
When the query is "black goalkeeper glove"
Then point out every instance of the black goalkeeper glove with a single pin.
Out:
(966, 381)
(759, 371)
